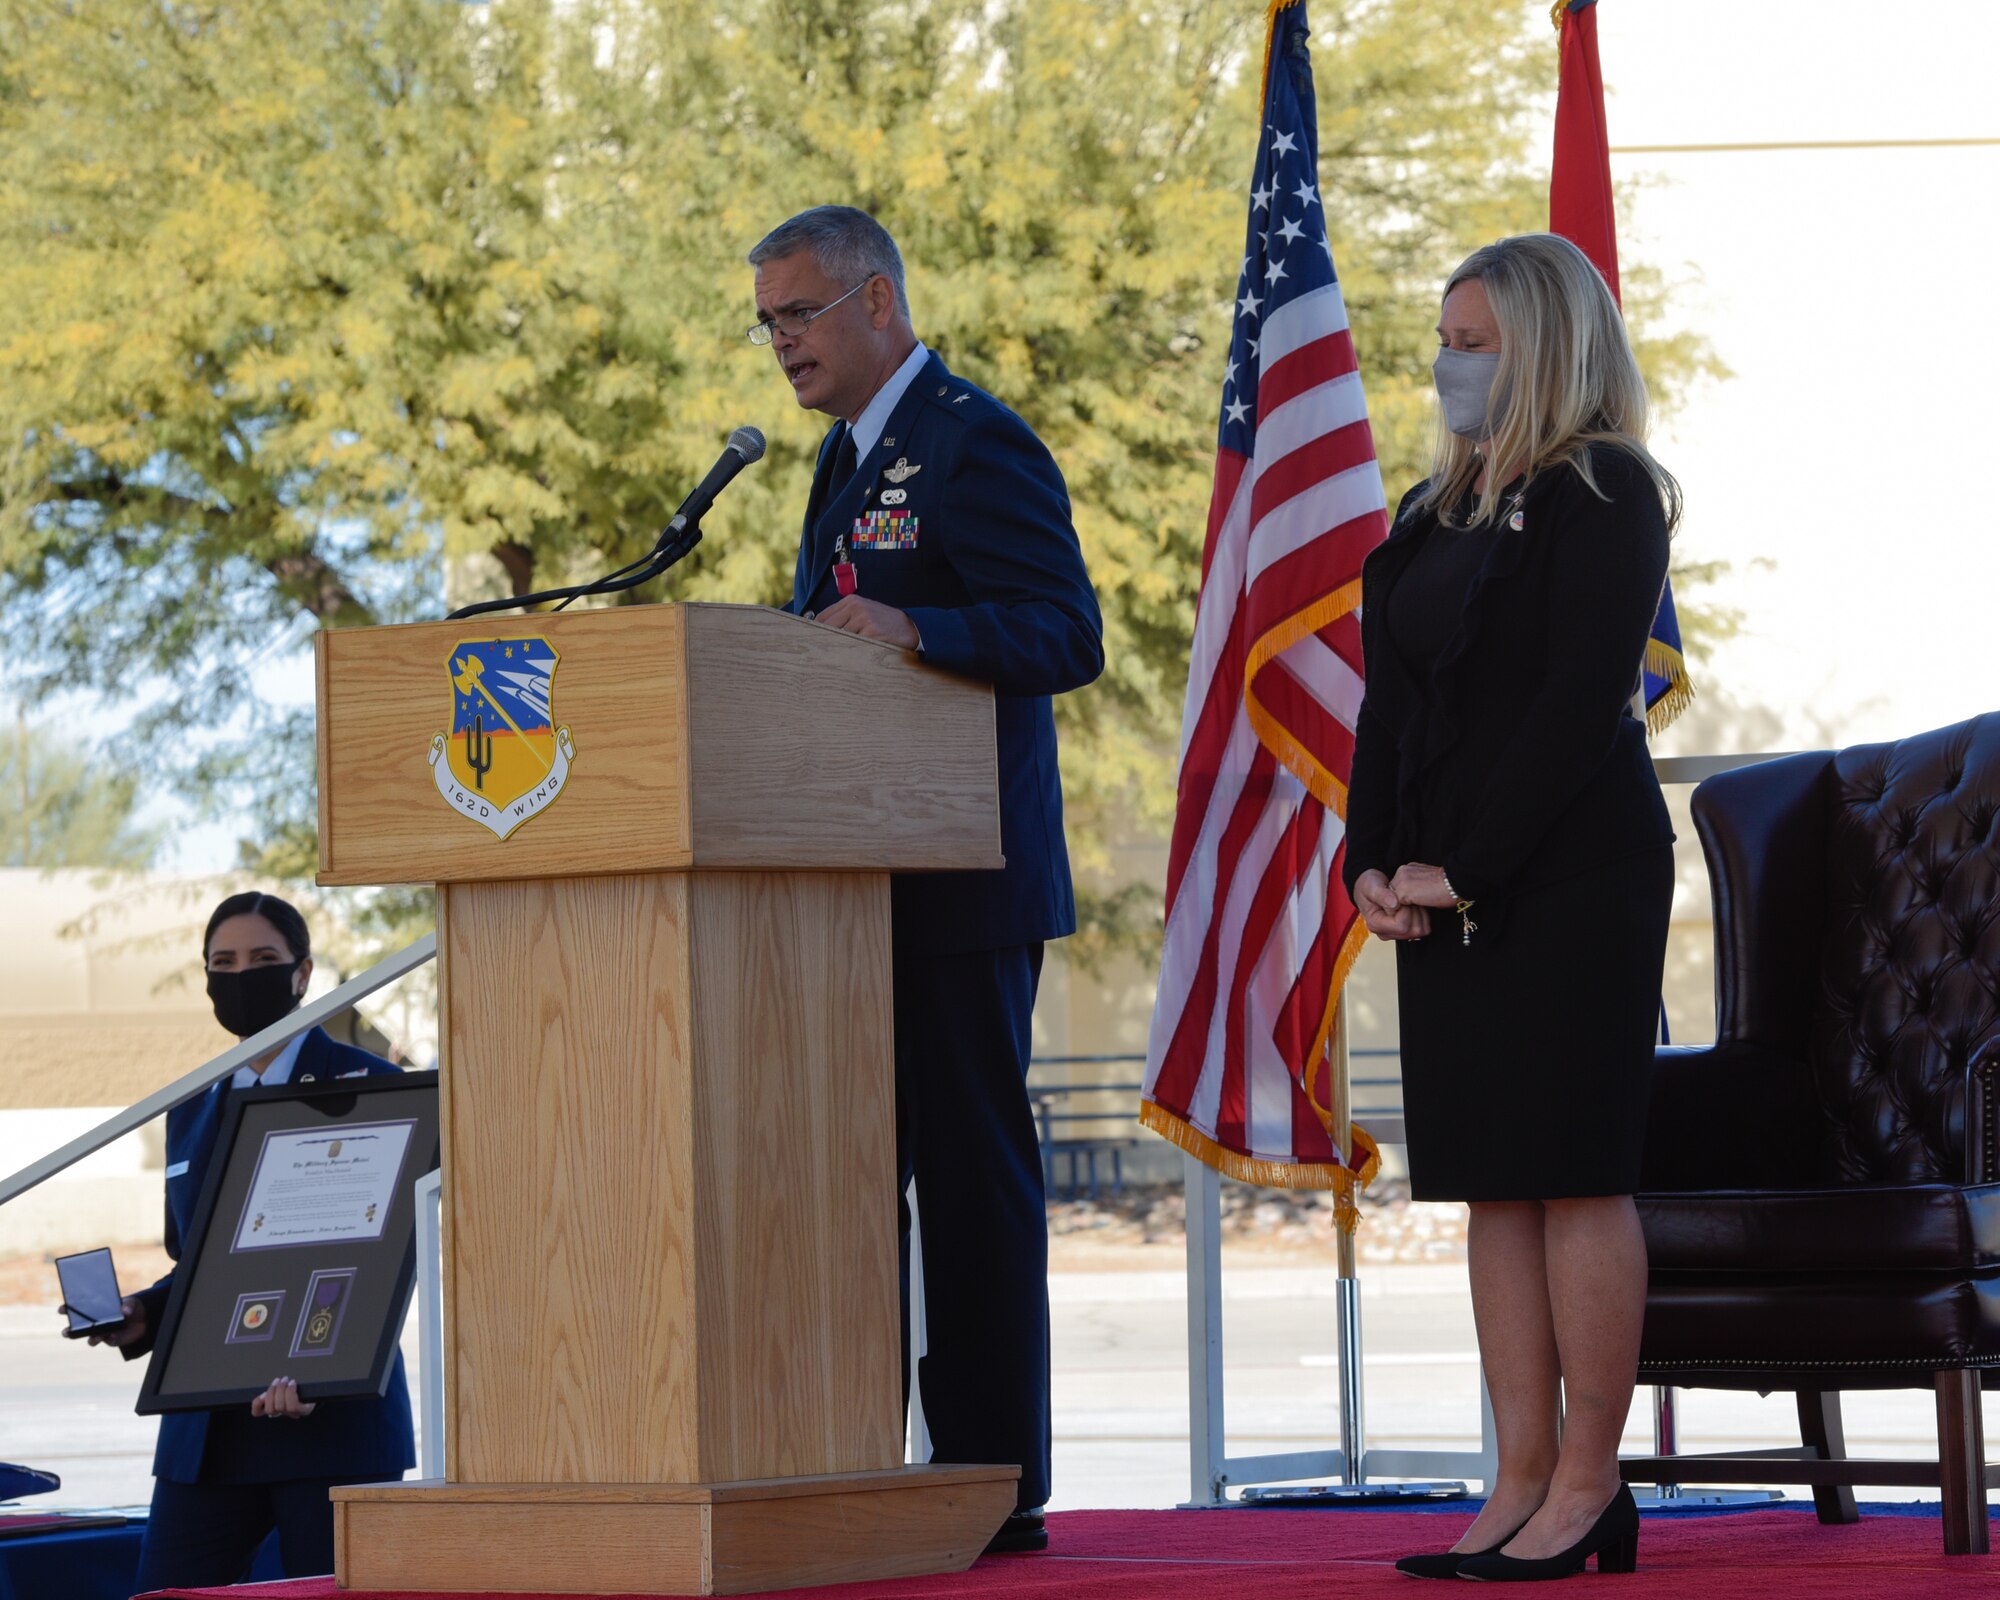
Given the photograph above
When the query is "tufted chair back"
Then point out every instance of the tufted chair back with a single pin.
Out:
(1909, 962)
(1821, 1199)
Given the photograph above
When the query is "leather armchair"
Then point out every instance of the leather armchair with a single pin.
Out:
(1822, 1185)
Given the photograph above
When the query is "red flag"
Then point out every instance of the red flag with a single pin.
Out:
(1580, 179)
(1580, 209)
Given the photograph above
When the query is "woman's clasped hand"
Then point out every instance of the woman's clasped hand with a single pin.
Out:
(1386, 913)
(1400, 907)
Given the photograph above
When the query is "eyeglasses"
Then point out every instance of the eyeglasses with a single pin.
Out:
(794, 324)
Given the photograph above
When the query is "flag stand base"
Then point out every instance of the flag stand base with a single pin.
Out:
(1707, 1499)
(1305, 1497)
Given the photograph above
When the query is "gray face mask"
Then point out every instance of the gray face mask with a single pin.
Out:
(1464, 380)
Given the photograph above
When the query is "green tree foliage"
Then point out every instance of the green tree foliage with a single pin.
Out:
(62, 807)
(302, 302)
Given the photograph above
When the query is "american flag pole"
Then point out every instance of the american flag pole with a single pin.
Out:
(1260, 933)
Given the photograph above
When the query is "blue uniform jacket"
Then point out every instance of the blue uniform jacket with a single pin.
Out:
(355, 1439)
(959, 517)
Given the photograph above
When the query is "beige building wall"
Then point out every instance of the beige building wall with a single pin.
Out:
(101, 1002)
(101, 996)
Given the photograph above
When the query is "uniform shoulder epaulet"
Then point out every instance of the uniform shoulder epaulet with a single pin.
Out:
(963, 400)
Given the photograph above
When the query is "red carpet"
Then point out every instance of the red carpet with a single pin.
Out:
(1302, 1555)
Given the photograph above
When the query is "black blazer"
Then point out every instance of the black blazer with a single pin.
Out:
(1517, 760)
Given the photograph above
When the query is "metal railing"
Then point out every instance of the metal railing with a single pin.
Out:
(1080, 1134)
(205, 1076)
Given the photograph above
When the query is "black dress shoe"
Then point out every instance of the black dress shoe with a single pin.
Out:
(1613, 1538)
(1022, 1533)
(1446, 1563)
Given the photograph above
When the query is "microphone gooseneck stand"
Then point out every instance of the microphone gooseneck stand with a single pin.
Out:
(681, 534)
(649, 567)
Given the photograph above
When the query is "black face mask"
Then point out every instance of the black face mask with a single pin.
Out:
(250, 1001)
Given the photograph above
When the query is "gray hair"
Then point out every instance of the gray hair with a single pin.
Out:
(849, 245)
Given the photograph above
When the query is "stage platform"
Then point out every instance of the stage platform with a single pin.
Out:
(1893, 1553)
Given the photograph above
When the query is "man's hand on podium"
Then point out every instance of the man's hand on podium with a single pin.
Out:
(871, 619)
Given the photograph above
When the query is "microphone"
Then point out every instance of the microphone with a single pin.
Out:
(745, 446)
(679, 536)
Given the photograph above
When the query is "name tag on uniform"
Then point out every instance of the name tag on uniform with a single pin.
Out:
(884, 529)
(178, 1170)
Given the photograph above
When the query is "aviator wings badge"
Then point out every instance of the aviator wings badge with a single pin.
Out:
(505, 759)
(901, 471)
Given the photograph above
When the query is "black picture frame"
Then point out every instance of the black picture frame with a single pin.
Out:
(379, 1273)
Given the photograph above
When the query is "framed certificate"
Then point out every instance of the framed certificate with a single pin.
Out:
(301, 1255)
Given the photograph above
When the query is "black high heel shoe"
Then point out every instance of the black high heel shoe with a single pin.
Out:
(1613, 1538)
(1445, 1564)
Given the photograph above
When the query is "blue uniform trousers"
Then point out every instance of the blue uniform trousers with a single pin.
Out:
(204, 1535)
(966, 1132)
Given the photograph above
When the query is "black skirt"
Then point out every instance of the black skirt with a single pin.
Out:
(1528, 1052)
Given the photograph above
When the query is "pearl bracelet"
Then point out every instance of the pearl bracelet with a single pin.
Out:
(1463, 907)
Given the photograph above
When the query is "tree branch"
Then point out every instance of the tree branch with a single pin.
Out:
(319, 588)
(303, 575)
(109, 489)
(518, 561)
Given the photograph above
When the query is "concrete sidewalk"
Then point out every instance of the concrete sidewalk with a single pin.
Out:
(1121, 1411)
(1120, 1386)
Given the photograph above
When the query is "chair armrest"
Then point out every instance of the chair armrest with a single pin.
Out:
(1732, 1116)
(1763, 833)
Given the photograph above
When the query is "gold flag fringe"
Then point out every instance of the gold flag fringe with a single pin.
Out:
(1270, 24)
(1327, 1175)
(1664, 661)
(1274, 736)
(1343, 964)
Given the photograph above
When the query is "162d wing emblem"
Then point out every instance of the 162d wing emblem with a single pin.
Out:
(506, 758)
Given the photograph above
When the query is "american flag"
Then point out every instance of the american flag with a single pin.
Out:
(1260, 933)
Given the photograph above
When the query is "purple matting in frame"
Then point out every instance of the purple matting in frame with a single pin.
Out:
(245, 1327)
(325, 1308)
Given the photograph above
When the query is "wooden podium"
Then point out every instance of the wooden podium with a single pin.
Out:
(670, 1274)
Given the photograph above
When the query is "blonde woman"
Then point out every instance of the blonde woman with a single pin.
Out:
(1506, 829)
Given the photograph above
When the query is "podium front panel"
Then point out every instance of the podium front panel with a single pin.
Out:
(669, 1126)
(644, 739)
(598, 784)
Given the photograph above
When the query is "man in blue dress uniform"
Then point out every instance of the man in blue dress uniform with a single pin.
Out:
(939, 522)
